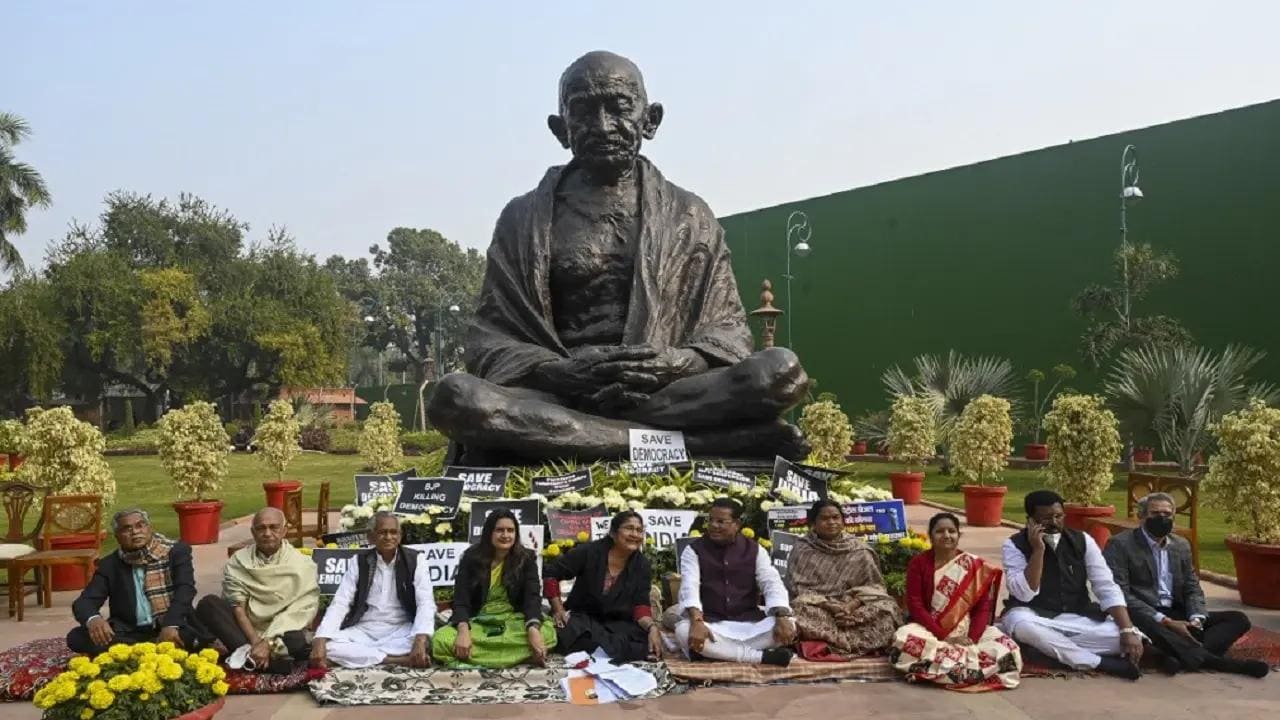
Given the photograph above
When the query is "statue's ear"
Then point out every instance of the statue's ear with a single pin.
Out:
(560, 129)
(652, 119)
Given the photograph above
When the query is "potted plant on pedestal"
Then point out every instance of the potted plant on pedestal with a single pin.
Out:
(1035, 450)
(828, 431)
(277, 444)
(193, 449)
(65, 455)
(1084, 442)
(913, 437)
(1243, 482)
(11, 432)
(380, 439)
(979, 451)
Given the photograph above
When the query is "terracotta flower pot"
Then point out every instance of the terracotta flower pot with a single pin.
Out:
(1143, 455)
(907, 486)
(72, 577)
(983, 506)
(205, 712)
(1257, 572)
(198, 521)
(1035, 451)
(1078, 517)
(276, 490)
(858, 448)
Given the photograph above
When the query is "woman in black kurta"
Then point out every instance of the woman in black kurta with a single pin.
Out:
(609, 605)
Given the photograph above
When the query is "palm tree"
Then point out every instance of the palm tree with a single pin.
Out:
(1173, 394)
(21, 187)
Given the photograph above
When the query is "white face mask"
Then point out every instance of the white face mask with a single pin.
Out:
(1052, 540)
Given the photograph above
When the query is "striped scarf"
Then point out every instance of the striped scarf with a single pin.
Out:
(157, 583)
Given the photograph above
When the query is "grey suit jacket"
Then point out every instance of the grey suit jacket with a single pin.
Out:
(1134, 567)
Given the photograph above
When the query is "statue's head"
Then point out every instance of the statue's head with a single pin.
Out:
(604, 113)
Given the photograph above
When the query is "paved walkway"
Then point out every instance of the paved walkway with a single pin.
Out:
(1199, 696)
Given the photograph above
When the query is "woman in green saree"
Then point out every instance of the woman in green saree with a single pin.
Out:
(497, 604)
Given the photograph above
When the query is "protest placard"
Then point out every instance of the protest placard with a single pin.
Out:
(369, 487)
(879, 517)
(550, 486)
(781, 552)
(343, 539)
(441, 560)
(657, 446)
(480, 482)
(789, 518)
(418, 494)
(790, 476)
(527, 512)
(722, 478)
(566, 524)
(665, 526)
(331, 565)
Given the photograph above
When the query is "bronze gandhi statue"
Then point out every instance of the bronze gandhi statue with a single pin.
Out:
(609, 303)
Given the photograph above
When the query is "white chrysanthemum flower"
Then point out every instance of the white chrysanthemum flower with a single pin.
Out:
(635, 505)
(443, 529)
(768, 505)
(633, 492)
(348, 509)
(346, 523)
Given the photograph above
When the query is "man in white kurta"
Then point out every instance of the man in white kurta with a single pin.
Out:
(384, 629)
(722, 619)
(1046, 567)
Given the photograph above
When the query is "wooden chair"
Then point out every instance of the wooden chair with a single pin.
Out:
(1186, 498)
(18, 499)
(63, 515)
(297, 530)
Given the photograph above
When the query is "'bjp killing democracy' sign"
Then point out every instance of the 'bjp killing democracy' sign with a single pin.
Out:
(783, 542)
(418, 494)
(553, 485)
(480, 481)
(797, 479)
(526, 510)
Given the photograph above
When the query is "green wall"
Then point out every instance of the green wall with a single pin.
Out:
(986, 258)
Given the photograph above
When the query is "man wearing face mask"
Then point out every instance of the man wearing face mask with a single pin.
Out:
(1050, 571)
(1153, 567)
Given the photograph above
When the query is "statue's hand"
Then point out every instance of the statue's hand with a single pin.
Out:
(576, 376)
(650, 374)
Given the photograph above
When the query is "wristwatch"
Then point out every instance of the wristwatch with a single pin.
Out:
(1131, 630)
(781, 612)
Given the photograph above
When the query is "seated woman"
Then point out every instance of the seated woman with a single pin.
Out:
(497, 612)
(608, 607)
(950, 595)
(837, 591)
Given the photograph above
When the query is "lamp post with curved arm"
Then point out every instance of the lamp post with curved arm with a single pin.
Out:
(1129, 192)
(798, 226)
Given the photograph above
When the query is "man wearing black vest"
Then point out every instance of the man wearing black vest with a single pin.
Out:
(1050, 570)
(384, 609)
(722, 576)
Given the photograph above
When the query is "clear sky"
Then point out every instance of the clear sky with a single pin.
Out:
(342, 120)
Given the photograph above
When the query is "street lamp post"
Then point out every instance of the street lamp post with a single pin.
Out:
(439, 362)
(797, 225)
(1129, 192)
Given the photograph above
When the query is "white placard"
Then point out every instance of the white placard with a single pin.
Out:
(657, 446)
(664, 526)
(441, 560)
(600, 527)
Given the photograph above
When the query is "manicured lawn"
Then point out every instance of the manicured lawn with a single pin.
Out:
(1213, 552)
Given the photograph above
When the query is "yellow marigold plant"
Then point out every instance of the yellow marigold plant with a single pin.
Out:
(147, 681)
(1084, 444)
(277, 437)
(980, 440)
(194, 449)
(1244, 475)
(913, 430)
(65, 455)
(380, 439)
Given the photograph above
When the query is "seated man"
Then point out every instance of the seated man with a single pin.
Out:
(269, 598)
(149, 583)
(609, 303)
(384, 609)
(1153, 568)
(1050, 570)
(722, 575)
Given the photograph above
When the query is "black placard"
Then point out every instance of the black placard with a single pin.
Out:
(566, 524)
(343, 539)
(553, 485)
(783, 542)
(331, 565)
(790, 476)
(480, 481)
(417, 494)
(722, 478)
(527, 511)
(369, 487)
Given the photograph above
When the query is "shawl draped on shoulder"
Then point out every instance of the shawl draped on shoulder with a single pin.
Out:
(279, 594)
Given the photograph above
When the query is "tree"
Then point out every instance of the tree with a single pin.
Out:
(1112, 325)
(31, 333)
(420, 275)
(21, 188)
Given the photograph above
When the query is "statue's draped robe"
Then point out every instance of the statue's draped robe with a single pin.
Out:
(683, 291)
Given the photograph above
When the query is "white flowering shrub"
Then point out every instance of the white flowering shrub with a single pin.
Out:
(277, 437)
(828, 431)
(913, 430)
(11, 436)
(1084, 443)
(1244, 475)
(194, 449)
(380, 439)
(65, 455)
(980, 440)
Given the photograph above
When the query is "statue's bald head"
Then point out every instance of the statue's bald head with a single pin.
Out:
(598, 69)
(605, 114)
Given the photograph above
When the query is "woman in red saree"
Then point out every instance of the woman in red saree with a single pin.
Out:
(950, 639)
